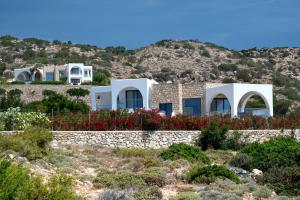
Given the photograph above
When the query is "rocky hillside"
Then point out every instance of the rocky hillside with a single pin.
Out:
(167, 60)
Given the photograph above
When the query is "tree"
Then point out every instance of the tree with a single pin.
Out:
(78, 92)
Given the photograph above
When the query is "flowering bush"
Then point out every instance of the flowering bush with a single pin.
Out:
(152, 120)
(13, 119)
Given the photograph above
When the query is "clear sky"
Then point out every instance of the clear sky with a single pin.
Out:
(236, 24)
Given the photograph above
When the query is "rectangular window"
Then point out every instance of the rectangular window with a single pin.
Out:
(167, 108)
(75, 81)
(220, 105)
(62, 73)
(192, 106)
(49, 76)
(134, 99)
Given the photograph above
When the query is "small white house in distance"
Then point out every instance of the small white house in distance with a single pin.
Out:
(77, 73)
(72, 73)
(190, 99)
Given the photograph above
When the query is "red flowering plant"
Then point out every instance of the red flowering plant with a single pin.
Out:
(152, 120)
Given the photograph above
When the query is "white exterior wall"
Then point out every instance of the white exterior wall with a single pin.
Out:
(79, 76)
(118, 88)
(238, 94)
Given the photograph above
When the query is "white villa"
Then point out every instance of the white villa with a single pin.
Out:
(74, 73)
(192, 99)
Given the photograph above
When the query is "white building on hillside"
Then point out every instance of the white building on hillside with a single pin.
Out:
(191, 99)
(73, 73)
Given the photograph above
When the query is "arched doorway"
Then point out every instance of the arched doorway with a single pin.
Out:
(24, 76)
(38, 76)
(220, 105)
(129, 98)
(253, 103)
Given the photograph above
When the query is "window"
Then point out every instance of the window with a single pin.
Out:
(75, 70)
(62, 73)
(134, 99)
(192, 106)
(87, 73)
(75, 81)
(49, 76)
(166, 107)
(220, 105)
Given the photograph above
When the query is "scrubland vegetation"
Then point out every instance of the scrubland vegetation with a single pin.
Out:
(31, 169)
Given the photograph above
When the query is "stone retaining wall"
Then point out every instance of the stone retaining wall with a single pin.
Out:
(32, 92)
(148, 139)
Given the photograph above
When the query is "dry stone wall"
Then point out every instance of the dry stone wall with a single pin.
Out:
(156, 139)
(141, 139)
(151, 139)
(33, 92)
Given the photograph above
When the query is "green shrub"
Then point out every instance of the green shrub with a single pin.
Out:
(281, 106)
(47, 82)
(186, 152)
(277, 152)
(33, 143)
(114, 195)
(291, 93)
(243, 74)
(207, 194)
(213, 136)
(134, 152)
(227, 67)
(118, 179)
(280, 79)
(209, 174)
(262, 192)
(228, 80)
(186, 196)
(285, 181)
(148, 193)
(13, 119)
(154, 178)
(16, 182)
(233, 141)
(242, 161)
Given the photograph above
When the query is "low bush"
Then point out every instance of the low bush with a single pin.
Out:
(14, 119)
(277, 152)
(213, 136)
(184, 151)
(148, 193)
(114, 195)
(243, 75)
(209, 174)
(186, 196)
(33, 143)
(154, 178)
(48, 82)
(207, 194)
(16, 182)
(117, 180)
(227, 67)
(242, 160)
(234, 141)
(134, 152)
(285, 181)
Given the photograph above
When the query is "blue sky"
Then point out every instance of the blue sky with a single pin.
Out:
(236, 24)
